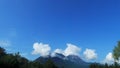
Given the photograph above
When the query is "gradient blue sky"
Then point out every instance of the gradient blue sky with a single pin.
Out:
(93, 24)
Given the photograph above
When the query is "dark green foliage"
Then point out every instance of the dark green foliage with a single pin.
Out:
(106, 65)
(2, 51)
(116, 51)
(95, 65)
(9, 61)
(17, 61)
(116, 55)
(49, 64)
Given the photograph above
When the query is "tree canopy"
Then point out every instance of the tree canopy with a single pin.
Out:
(116, 52)
(17, 61)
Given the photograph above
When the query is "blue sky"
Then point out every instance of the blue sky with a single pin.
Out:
(90, 24)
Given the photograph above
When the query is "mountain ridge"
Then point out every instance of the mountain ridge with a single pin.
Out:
(70, 61)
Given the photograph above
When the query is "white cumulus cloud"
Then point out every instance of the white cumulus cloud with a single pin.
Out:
(57, 51)
(42, 49)
(109, 58)
(90, 54)
(70, 50)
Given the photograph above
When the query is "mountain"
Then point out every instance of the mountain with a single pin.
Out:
(75, 59)
(70, 61)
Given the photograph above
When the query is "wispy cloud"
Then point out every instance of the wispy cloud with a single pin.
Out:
(5, 43)
(24, 54)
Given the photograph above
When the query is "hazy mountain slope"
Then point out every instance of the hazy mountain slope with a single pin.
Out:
(61, 61)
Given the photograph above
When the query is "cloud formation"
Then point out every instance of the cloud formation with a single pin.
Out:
(109, 58)
(42, 49)
(70, 50)
(59, 51)
(90, 54)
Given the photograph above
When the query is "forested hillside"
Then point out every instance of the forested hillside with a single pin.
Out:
(17, 61)
(10, 60)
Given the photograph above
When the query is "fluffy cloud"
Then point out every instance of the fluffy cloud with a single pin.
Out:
(109, 58)
(57, 51)
(90, 54)
(70, 50)
(42, 49)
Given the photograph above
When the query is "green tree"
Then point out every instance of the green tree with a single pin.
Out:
(2, 51)
(106, 65)
(17, 61)
(116, 52)
(49, 64)
(9, 61)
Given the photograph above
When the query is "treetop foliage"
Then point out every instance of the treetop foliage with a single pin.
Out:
(17, 61)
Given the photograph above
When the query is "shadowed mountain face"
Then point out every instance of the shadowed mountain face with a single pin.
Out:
(62, 61)
(75, 59)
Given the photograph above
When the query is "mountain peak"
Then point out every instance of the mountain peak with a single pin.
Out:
(75, 59)
(70, 61)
